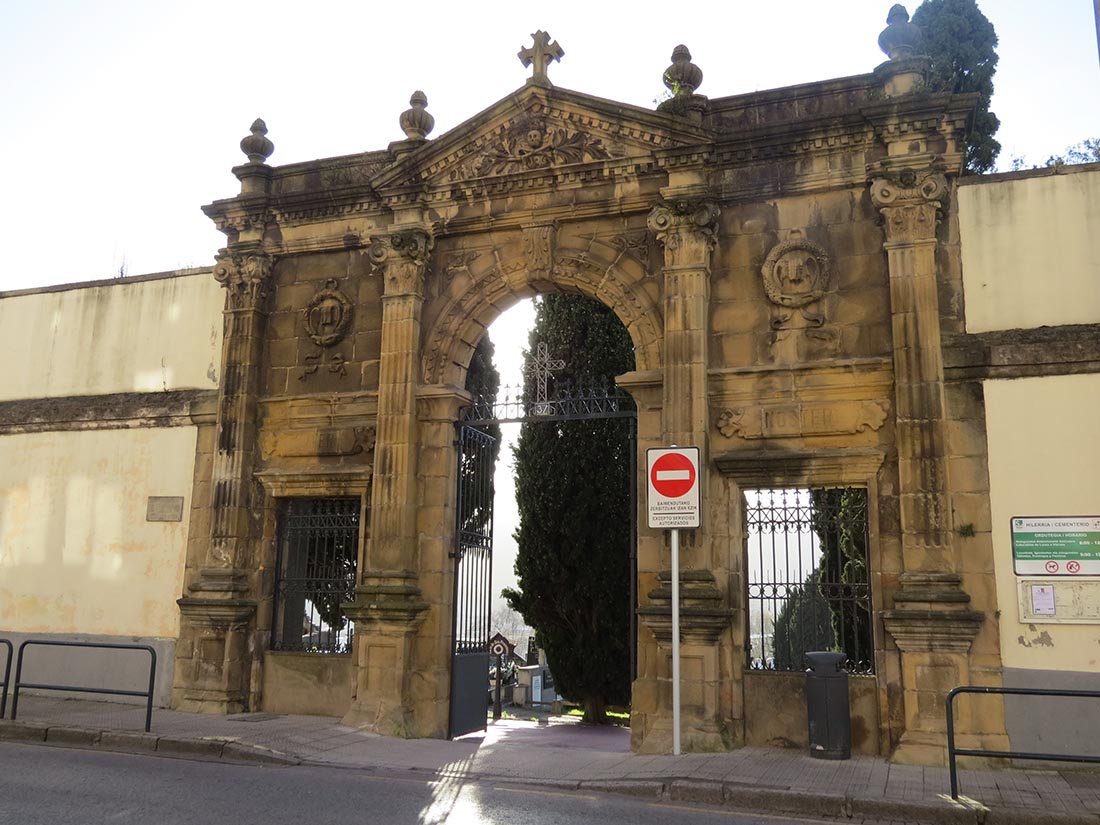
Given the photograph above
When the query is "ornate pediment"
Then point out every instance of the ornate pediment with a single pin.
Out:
(540, 131)
(532, 143)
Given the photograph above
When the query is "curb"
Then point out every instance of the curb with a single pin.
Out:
(831, 806)
(148, 744)
(726, 794)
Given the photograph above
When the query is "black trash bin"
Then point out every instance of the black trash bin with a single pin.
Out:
(827, 706)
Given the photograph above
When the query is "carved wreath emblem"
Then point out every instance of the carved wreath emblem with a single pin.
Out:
(328, 315)
(796, 273)
(534, 144)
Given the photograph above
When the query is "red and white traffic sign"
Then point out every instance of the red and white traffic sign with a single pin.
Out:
(673, 487)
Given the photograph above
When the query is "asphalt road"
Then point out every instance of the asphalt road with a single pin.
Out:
(42, 784)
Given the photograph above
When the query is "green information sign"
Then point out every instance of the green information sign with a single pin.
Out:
(1056, 545)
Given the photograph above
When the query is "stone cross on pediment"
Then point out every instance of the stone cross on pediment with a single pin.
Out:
(542, 368)
(541, 54)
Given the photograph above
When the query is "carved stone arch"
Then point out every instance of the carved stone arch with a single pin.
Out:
(450, 340)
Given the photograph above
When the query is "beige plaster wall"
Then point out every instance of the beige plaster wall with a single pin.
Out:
(76, 552)
(1030, 249)
(1044, 450)
(139, 335)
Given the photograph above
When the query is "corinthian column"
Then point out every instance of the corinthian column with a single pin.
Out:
(388, 607)
(686, 228)
(931, 621)
(213, 660)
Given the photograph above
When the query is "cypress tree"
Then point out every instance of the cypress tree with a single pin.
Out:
(573, 494)
(963, 46)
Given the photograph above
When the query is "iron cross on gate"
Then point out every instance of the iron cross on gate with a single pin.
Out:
(542, 368)
(541, 55)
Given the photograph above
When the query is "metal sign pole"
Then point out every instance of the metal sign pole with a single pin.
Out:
(676, 642)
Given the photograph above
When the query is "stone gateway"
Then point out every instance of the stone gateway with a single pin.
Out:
(789, 266)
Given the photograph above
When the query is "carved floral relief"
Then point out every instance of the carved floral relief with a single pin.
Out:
(532, 144)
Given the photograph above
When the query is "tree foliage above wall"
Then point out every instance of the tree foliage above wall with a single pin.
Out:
(963, 46)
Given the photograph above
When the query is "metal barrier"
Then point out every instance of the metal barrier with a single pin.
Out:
(19, 683)
(7, 677)
(953, 752)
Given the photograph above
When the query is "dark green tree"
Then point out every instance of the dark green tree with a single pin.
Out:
(804, 623)
(573, 494)
(963, 46)
(840, 523)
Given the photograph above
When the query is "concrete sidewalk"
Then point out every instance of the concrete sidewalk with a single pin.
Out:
(569, 755)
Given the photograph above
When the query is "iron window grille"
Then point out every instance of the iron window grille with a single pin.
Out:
(809, 585)
(318, 549)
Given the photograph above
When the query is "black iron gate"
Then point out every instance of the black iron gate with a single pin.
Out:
(473, 555)
(473, 552)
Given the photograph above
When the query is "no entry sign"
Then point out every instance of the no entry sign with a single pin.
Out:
(673, 483)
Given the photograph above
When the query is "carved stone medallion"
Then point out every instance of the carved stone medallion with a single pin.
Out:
(796, 273)
(796, 276)
(328, 315)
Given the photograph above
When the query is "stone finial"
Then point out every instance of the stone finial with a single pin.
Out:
(900, 39)
(257, 146)
(416, 122)
(683, 77)
(541, 55)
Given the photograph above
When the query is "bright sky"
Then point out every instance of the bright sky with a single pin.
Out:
(120, 118)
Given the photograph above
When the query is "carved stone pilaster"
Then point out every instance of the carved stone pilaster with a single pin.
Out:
(247, 281)
(214, 659)
(911, 202)
(931, 622)
(687, 229)
(402, 258)
(388, 606)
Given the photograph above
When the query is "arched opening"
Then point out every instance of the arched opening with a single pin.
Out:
(565, 549)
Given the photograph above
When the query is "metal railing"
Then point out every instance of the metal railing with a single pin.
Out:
(953, 752)
(19, 683)
(7, 677)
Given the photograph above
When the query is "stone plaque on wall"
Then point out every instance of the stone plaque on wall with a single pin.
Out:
(164, 508)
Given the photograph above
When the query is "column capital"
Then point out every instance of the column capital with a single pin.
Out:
(246, 276)
(911, 200)
(671, 220)
(402, 256)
